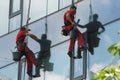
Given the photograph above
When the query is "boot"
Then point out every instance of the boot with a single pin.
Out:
(70, 54)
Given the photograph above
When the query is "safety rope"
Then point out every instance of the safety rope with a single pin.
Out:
(72, 2)
(91, 12)
(28, 18)
(90, 19)
(26, 40)
(46, 25)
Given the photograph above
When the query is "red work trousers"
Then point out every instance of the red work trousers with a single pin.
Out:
(29, 56)
(72, 41)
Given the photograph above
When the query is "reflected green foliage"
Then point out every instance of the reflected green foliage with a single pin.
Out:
(112, 72)
(109, 73)
(114, 49)
(119, 32)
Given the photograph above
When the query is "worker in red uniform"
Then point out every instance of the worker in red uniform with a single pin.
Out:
(23, 48)
(69, 26)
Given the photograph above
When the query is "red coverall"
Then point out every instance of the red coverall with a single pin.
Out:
(21, 45)
(69, 27)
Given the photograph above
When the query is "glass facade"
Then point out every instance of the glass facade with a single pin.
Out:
(16, 5)
(38, 9)
(59, 60)
(9, 72)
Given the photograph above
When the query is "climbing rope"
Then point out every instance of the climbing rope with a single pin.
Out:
(91, 12)
(26, 26)
(46, 25)
(90, 19)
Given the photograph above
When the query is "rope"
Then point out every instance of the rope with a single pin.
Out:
(46, 25)
(90, 17)
(26, 40)
(72, 2)
(28, 18)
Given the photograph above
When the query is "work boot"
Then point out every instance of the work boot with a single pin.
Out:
(78, 53)
(70, 54)
(29, 73)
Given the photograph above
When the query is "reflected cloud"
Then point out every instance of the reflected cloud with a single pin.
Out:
(4, 78)
(106, 2)
(107, 39)
(97, 67)
(52, 76)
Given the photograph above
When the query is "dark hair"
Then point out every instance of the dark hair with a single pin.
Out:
(73, 7)
(22, 28)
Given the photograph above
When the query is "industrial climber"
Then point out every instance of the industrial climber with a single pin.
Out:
(70, 27)
(23, 48)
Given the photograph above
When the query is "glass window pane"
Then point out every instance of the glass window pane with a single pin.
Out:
(4, 9)
(9, 72)
(16, 5)
(37, 9)
(64, 3)
(52, 6)
(58, 65)
(15, 22)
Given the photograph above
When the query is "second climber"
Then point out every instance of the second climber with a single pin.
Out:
(70, 27)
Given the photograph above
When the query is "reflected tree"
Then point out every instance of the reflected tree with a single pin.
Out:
(112, 72)
(115, 48)
(109, 73)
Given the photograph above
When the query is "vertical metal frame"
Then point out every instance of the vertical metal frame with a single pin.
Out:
(72, 2)
(84, 74)
(13, 14)
(72, 68)
(19, 70)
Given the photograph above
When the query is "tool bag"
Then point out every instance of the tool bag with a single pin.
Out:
(64, 32)
(67, 23)
(17, 55)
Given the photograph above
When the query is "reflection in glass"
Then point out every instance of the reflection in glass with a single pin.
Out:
(9, 72)
(16, 5)
(15, 23)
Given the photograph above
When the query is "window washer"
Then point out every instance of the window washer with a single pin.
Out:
(23, 48)
(69, 26)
